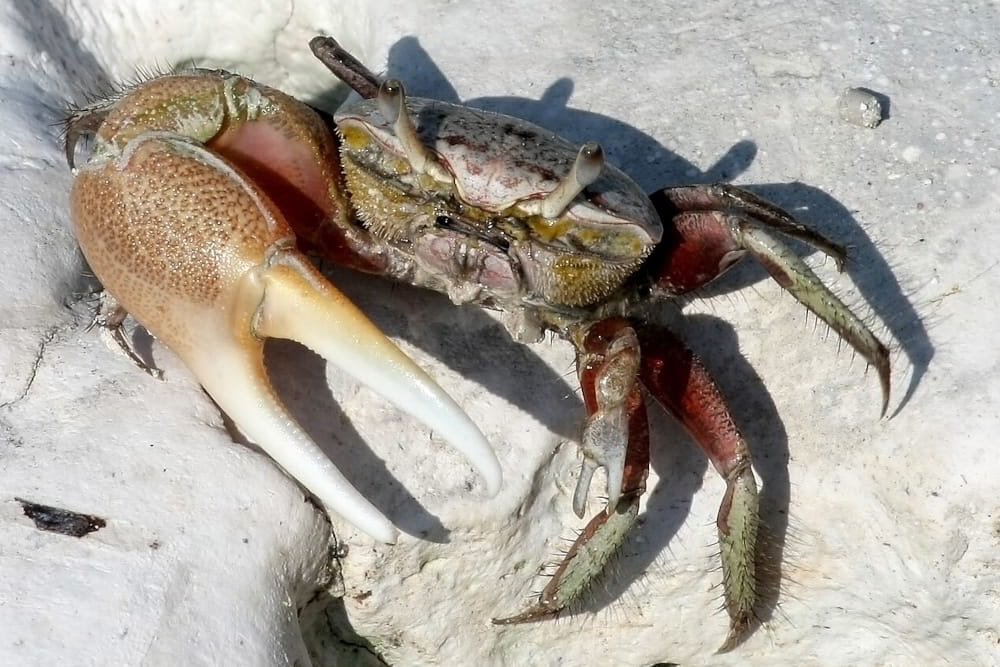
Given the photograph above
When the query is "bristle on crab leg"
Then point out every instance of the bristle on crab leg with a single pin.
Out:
(716, 225)
(676, 378)
(798, 279)
(585, 561)
(606, 361)
(585, 170)
(608, 374)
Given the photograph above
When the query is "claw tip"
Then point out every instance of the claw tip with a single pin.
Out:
(493, 478)
(884, 376)
(386, 534)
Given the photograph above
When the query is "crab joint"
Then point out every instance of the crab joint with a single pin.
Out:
(391, 101)
(586, 169)
(611, 374)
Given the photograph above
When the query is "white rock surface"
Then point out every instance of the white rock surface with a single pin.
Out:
(888, 531)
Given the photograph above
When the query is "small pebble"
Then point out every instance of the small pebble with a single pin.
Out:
(861, 107)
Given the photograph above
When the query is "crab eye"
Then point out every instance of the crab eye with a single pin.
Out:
(391, 101)
(443, 221)
(585, 170)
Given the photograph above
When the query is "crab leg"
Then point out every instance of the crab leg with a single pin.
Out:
(201, 256)
(616, 436)
(678, 380)
(717, 225)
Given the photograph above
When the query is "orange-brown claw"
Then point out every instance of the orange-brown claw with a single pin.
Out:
(205, 258)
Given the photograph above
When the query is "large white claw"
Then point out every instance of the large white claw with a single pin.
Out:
(299, 304)
(200, 255)
(289, 299)
(234, 376)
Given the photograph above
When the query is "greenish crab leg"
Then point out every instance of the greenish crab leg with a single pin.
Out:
(679, 381)
(617, 426)
(716, 225)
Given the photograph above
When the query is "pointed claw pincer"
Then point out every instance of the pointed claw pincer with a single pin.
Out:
(205, 257)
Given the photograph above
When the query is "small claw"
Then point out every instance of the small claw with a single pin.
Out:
(608, 366)
(79, 123)
(604, 441)
(583, 486)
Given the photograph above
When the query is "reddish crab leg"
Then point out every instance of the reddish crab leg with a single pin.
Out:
(616, 433)
(676, 377)
(716, 225)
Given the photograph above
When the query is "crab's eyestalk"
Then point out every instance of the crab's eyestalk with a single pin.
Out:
(586, 169)
(715, 225)
(391, 101)
(346, 67)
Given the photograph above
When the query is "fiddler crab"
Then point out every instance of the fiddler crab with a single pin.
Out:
(205, 193)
